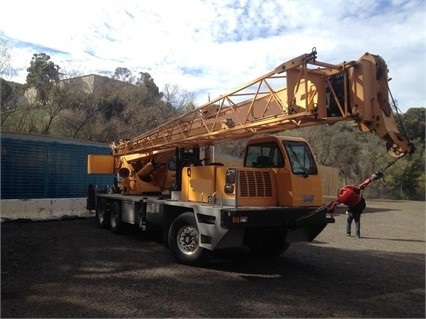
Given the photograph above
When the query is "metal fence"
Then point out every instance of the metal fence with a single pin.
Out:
(37, 166)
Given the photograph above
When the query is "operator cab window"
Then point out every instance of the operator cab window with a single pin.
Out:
(263, 155)
(301, 159)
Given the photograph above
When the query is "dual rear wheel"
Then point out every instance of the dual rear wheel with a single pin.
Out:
(108, 216)
(102, 213)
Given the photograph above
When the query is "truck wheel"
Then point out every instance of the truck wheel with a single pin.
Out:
(102, 215)
(116, 224)
(184, 240)
(267, 244)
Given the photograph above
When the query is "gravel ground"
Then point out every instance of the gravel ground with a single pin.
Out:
(71, 268)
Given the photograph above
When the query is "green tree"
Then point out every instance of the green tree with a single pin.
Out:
(42, 75)
(7, 95)
(123, 74)
(7, 100)
(413, 177)
(152, 93)
(414, 123)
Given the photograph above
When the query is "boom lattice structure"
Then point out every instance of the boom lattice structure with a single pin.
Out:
(309, 93)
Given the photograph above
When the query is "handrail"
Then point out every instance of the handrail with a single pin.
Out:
(214, 197)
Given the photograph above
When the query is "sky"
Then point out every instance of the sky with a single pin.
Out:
(210, 47)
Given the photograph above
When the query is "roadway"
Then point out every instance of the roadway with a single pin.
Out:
(72, 268)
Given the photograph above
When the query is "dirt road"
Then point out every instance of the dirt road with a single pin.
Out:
(71, 268)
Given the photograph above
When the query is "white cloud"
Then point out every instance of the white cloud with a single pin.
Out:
(215, 46)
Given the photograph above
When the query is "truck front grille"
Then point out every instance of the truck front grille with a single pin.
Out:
(255, 184)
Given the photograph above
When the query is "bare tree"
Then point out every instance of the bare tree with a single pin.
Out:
(58, 103)
(5, 60)
(69, 72)
(180, 99)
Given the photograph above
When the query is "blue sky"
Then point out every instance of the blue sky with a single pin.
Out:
(211, 47)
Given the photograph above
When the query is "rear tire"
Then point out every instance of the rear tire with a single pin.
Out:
(102, 214)
(116, 225)
(184, 240)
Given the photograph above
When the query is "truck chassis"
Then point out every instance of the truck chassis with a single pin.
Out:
(193, 230)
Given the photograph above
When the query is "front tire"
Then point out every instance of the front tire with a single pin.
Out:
(102, 214)
(184, 240)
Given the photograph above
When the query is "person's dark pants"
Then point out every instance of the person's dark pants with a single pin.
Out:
(357, 218)
(354, 213)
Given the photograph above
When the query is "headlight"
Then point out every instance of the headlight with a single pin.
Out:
(229, 188)
(230, 176)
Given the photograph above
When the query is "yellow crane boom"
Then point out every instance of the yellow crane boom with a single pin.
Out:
(311, 93)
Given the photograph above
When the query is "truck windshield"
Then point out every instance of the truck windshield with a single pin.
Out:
(263, 155)
(301, 159)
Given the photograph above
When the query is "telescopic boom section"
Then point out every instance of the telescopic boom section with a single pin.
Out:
(298, 93)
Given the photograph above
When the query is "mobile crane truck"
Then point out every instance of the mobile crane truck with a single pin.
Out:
(275, 197)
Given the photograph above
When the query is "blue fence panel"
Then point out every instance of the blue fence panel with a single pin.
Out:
(35, 166)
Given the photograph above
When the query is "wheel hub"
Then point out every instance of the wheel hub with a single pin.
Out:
(188, 239)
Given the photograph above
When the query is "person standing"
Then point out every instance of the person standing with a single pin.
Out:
(354, 211)
(352, 198)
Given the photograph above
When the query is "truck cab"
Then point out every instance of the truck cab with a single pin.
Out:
(291, 159)
(277, 171)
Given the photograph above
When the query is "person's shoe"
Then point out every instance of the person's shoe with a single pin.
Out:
(348, 234)
(358, 236)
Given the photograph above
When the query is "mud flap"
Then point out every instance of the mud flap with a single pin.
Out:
(90, 203)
